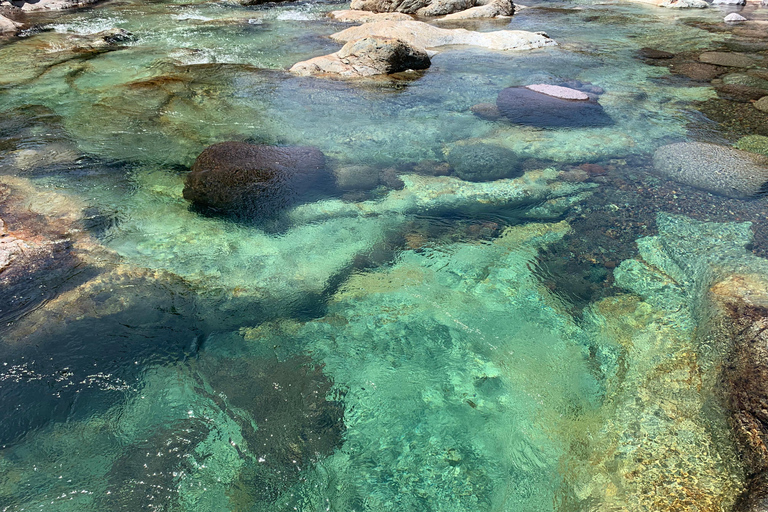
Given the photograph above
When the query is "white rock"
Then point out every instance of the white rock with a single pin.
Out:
(424, 35)
(556, 91)
(734, 18)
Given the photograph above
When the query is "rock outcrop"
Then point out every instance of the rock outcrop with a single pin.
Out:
(492, 9)
(355, 16)
(8, 26)
(551, 106)
(364, 57)
(50, 5)
(438, 7)
(253, 180)
(423, 35)
(719, 169)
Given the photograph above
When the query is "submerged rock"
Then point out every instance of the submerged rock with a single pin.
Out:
(257, 180)
(753, 144)
(424, 35)
(364, 57)
(438, 7)
(487, 111)
(650, 53)
(484, 162)
(736, 60)
(718, 169)
(531, 107)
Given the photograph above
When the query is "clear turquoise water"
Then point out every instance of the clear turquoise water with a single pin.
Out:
(399, 351)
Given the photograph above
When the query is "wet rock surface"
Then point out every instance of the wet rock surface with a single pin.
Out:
(437, 7)
(719, 169)
(369, 56)
(254, 180)
(742, 303)
(423, 35)
(528, 107)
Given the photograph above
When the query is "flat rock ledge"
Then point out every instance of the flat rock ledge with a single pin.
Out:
(423, 35)
(369, 56)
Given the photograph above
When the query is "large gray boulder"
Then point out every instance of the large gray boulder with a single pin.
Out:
(719, 169)
(365, 57)
(435, 7)
(254, 180)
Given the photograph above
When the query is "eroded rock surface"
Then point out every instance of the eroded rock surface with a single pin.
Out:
(364, 57)
(423, 35)
(491, 9)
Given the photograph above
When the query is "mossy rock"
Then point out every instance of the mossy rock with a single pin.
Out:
(484, 162)
(753, 144)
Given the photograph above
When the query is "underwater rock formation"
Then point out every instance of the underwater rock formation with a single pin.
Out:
(522, 105)
(364, 57)
(435, 7)
(424, 35)
(740, 304)
(719, 169)
(675, 4)
(483, 162)
(253, 180)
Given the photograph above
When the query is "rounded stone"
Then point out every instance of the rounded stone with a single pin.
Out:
(356, 177)
(254, 180)
(719, 169)
(522, 105)
(487, 111)
(734, 18)
(762, 104)
(483, 162)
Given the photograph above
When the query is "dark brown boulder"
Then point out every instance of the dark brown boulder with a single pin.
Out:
(254, 180)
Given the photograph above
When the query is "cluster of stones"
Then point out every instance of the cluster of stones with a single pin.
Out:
(391, 41)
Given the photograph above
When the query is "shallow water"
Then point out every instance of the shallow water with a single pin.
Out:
(428, 344)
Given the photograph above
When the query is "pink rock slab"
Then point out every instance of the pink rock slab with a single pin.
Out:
(558, 92)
